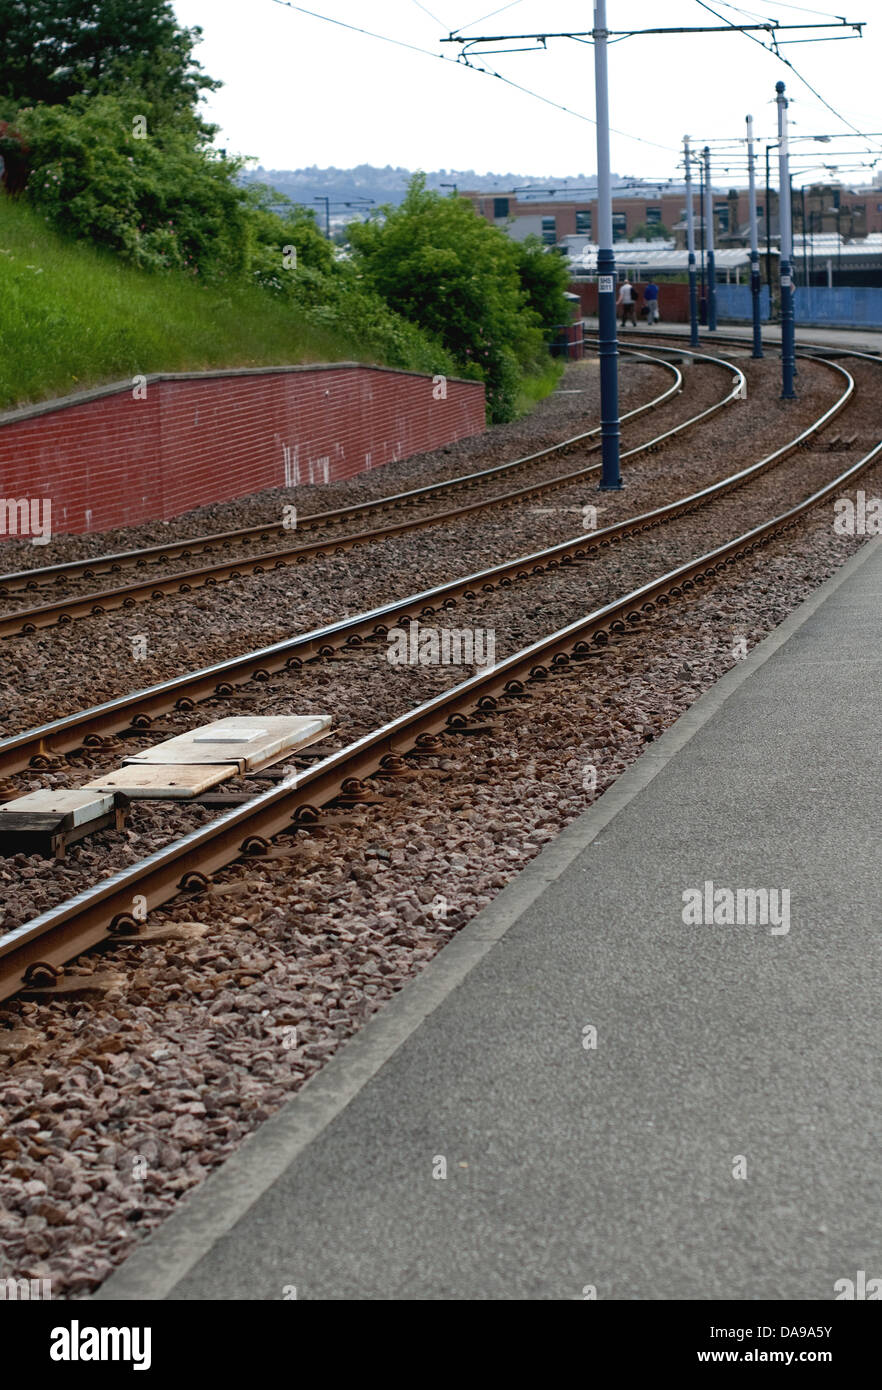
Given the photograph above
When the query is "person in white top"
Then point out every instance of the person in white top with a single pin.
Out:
(628, 302)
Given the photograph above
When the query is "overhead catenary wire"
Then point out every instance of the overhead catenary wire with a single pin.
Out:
(464, 63)
(481, 18)
(439, 22)
(776, 53)
(779, 4)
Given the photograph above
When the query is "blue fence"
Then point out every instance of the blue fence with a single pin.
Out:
(843, 306)
(733, 302)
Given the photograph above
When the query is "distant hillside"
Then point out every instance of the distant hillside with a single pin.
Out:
(389, 185)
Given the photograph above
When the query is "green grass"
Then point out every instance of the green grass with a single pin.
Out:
(537, 386)
(73, 317)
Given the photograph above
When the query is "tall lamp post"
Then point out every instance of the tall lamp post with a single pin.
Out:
(711, 266)
(703, 295)
(754, 246)
(690, 242)
(788, 336)
(769, 148)
(610, 475)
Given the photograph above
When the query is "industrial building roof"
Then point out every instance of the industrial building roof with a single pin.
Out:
(660, 261)
(864, 253)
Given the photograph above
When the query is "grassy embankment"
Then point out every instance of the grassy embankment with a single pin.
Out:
(72, 317)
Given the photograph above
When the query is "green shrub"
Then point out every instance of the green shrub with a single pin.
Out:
(438, 264)
(545, 279)
(163, 201)
(75, 317)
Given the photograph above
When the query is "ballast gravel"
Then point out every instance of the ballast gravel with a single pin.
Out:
(116, 1101)
(61, 669)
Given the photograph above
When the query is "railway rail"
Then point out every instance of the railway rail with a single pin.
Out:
(34, 953)
(29, 620)
(41, 746)
(771, 349)
(34, 578)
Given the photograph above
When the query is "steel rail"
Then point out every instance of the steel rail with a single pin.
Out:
(36, 747)
(35, 952)
(29, 620)
(29, 579)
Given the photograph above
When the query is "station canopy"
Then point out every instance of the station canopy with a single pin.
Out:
(653, 260)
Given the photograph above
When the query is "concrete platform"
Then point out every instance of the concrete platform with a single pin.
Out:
(719, 1141)
(855, 339)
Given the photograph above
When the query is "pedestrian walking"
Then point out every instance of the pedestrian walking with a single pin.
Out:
(650, 299)
(628, 302)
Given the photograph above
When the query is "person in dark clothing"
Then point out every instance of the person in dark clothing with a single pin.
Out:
(650, 299)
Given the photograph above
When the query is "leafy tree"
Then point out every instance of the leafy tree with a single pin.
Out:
(435, 262)
(545, 278)
(276, 223)
(14, 153)
(341, 301)
(161, 200)
(55, 49)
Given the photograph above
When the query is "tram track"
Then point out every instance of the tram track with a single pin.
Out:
(47, 745)
(33, 578)
(26, 621)
(38, 948)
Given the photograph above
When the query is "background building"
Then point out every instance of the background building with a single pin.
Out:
(637, 206)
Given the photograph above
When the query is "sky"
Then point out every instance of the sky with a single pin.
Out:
(301, 91)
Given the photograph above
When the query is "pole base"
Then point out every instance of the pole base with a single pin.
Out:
(610, 487)
(788, 396)
(757, 355)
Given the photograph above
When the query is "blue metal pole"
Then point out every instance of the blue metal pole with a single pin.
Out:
(788, 334)
(690, 242)
(610, 476)
(754, 246)
(711, 264)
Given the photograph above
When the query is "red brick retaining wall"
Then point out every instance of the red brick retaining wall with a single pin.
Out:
(127, 454)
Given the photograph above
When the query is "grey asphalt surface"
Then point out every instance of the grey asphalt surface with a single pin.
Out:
(612, 1166)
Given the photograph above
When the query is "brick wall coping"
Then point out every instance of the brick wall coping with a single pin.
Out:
(96, 393)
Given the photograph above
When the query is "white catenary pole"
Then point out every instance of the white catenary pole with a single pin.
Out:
(610, 477)
(709, 242)
(788, 335)
(754, 245)
(690, 243)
